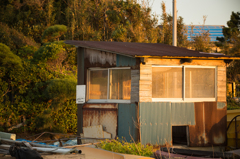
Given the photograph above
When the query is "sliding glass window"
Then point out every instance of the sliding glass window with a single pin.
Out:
(183, 83)
(109, 85)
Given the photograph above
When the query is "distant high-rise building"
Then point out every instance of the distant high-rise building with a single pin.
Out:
(214, 31)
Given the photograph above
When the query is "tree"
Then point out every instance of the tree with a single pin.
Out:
(41, 89)
(15, 39)
(53, 33)
(230, 45)
(200, 38)
(9, 63)
(166, 29)
(232, 29)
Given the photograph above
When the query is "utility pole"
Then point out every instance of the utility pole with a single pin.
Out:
(174, 40)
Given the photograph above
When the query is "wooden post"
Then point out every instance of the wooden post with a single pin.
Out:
(234, 89)
(80, 81)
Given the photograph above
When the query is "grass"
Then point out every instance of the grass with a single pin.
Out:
(120, 146)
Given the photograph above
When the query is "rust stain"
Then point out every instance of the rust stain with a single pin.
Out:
(210, 127)
(100, 106)
(101, 114)
(93, 58)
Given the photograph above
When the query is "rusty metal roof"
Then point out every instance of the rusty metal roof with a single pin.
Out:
(146, 49)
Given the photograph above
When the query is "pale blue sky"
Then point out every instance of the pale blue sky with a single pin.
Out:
(217, 11)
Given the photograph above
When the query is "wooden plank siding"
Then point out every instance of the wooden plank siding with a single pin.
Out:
(221, 84)
(135, 76)
(145, 83)
(176, 62)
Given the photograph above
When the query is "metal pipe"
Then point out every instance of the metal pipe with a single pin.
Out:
(174, 40)
(47, 149)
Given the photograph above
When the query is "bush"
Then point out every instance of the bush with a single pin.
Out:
(121, 146)
(232, 104)
(30, 92)
(53, 32)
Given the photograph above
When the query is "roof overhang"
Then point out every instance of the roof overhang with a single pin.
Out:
(190, 57)
(205, 56)
(103, 50)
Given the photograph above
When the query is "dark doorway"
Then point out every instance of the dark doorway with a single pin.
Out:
(179, 135)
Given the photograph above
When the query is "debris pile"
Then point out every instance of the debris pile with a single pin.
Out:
(25, 149)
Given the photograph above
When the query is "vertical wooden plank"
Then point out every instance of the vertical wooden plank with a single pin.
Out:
(135, 76)
(80, 81)
(145, 83)
(221, 84)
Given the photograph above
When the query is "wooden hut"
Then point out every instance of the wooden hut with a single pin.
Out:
(154, 93)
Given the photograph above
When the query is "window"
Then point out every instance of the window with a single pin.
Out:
(167, 82)
(109, 85)
(200, 83)
(98, 84)
(183, 83)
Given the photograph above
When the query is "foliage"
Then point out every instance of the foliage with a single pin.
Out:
(201, 41)
(232, 104)
(38, 74)
(231, 40)
(32, 91)
(8, 59)
(27, 52)
(230, 45)
(57, 56)
(232, 28)
(61, 89)
(49, 51)
(64, 119)
(121, 146)
(53, 32)
(9, 64)
(14, 39)
(166, 29)
(42, 91)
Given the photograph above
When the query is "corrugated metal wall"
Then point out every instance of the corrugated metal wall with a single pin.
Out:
(182, 114)
(206, 121)
(155, 122)
(211, 123)
(127, 121)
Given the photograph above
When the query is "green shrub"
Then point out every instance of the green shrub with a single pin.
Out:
(53, 32)
(232, 104)
(121, 146)
(14, 39)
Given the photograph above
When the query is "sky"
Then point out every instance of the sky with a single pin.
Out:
(218, 12)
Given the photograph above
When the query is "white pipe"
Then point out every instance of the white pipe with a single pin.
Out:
(44, 149)
(55, 150)
(174, 40)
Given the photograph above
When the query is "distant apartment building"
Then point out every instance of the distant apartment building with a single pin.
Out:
(214, 31)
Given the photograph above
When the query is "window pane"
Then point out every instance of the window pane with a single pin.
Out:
(167, 82)
(120, 84)
(98, 84)
(200, 83)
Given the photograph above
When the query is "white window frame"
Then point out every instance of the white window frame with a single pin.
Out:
(108, 81)
(183, 99)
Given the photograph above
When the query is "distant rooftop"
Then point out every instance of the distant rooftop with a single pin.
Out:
(214, 31)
